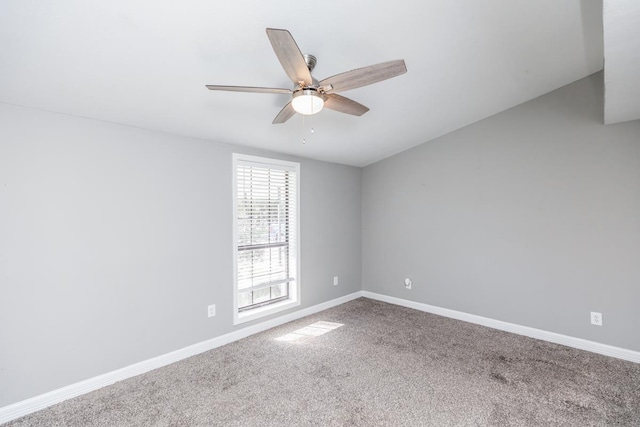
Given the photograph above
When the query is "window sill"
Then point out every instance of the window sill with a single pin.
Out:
(257, 313)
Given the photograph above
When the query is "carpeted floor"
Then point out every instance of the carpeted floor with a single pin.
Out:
(386, 365)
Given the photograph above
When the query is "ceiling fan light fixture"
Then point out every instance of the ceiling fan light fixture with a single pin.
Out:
(307, 101)
(309, 95)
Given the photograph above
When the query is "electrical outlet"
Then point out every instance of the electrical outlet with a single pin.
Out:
(335, 280)
(211, 310)
(596, 318)
(407, 283)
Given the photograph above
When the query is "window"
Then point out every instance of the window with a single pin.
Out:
(265, 236)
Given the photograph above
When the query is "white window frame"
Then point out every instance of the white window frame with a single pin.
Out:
(294, 291)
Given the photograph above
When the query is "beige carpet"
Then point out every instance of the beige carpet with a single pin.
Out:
(386, 365)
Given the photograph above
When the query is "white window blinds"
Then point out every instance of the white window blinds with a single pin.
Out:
(266, 232)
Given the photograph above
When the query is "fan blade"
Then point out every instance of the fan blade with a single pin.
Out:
(364, 76)
(289, 56)
(285, 114)
(344, 105)
(249, 89)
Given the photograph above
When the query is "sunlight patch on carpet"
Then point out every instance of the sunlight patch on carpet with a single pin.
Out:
(313, 330)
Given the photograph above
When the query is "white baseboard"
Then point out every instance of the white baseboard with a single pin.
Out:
(579, 343)
(42, 401)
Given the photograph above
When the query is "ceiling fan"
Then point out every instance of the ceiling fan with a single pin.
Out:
(309, 95)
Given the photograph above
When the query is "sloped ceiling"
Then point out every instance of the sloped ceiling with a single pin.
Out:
(145, 63)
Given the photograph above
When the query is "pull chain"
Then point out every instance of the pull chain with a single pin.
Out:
(311, 130)
(304, 140)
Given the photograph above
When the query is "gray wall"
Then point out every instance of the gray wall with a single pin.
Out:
(531, 216)
(113, 241)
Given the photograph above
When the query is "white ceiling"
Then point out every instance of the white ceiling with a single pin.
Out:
(145, 63)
